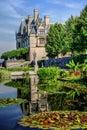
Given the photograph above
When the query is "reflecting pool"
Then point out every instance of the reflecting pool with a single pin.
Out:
(10, 115)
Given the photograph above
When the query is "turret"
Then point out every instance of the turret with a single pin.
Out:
(35, 14)
(47, 20)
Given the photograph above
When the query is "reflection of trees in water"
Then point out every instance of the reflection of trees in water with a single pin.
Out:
(22, 86)
(37, 99)
(61, 102)
(23, 93)
(56, 101)
(65, 95)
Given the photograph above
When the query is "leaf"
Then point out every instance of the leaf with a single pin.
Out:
(11, 101)
(41, 120)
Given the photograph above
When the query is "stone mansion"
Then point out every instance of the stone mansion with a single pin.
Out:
(32, 34)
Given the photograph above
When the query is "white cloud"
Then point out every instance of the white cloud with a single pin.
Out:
(73, 5)
(17, 3)
(11, 12)
(22, 5)
(70, 4)
(8, 10)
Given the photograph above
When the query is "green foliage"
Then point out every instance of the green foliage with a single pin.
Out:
(70, 30)
(76, 28)
(78, 71)
(80, 58)
(19, 54)
(56, 101)
(63, 73)
(5, 75)
(11, 101)
(56, 40)
(69, 37)
(71, 65)
(84, 71)
(18, 69)
(50, 73)
(22, 86)
(69, 96)
(50, 86)
(69, 91)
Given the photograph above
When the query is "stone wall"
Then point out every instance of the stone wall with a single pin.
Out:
(38, 52)
(13, 63)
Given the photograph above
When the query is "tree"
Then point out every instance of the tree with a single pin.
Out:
(56, 40)
(70, 26)
(79, 42)
(83, 29)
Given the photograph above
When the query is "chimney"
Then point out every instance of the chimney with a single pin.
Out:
(47, 20)
(30, 19)
(35, 14)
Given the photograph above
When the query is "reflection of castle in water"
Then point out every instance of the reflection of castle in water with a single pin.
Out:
(37, 99)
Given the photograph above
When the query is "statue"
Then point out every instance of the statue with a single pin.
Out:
(35, 65)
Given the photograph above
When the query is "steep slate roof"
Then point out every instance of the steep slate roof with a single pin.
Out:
(33, 30)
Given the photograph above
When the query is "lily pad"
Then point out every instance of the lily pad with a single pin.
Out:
(11, 101)
(56, 120)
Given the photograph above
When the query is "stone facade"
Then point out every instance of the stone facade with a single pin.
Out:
(32, 34)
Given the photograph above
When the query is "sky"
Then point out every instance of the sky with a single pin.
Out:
(12, 12)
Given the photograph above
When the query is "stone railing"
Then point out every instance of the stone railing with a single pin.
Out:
(15, 63)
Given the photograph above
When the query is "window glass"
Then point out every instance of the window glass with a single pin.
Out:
(41, 31)
(41, 40)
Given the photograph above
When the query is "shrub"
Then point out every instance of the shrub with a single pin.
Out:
(84, 71)
(4, 74)
(18, 53)
(80, 58)
(50, 73)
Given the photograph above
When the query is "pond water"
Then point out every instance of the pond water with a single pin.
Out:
(10, 115)
(39, 100)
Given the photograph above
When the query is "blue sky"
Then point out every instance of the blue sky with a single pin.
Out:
(12, 11)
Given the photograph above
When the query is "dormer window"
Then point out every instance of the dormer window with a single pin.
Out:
(41, 31)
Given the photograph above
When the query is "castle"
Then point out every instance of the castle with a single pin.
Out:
(32, 34)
